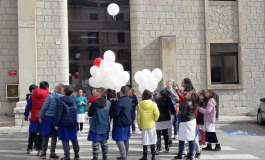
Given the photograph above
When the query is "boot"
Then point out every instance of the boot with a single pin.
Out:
(217, 147)
(144, 153)
(189, 157)
(208, 147)
(158, 144)
(153, 152)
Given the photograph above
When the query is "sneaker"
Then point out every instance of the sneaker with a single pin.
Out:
(39, 153)
(76, 157)
(65, 158)
(29, 151)
(176, 137)
(43, 155)
(178, 157)
(54, 156)
(79, 132)
(133, 132)
(170, 143)
(197, 155)
(166, 150)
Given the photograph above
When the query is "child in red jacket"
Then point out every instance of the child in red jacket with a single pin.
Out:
(37, 99)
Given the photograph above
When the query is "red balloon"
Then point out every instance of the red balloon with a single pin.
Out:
(97, 61)
(76, 75)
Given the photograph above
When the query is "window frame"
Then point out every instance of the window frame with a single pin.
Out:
(223, 55)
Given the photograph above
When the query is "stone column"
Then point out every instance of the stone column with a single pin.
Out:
(26, 54)
(168, 58)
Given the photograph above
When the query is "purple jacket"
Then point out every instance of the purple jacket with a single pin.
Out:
(210, 111)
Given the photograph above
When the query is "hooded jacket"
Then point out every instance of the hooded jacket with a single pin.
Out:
(50, 105)
(38, 98)
(165, 107)
(121, 113)
(99, 111)
(66, 114)
(147, 114)
(209, 112)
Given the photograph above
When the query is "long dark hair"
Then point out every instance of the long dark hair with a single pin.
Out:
(163, 94)
(189, 86)
(194, 99)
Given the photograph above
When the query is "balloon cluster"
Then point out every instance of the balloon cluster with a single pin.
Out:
(107, 73)
(147, 79)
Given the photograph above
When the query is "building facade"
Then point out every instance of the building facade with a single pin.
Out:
(218, 44)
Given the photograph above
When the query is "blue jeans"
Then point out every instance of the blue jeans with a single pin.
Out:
(191, 147)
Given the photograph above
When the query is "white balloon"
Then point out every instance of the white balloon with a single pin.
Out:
(157, 74)
(151, 85)
(147, 72)
(116, 68)
(113, 9)
(114, 83)
(109, 56)
(77, 55)
(105, 64)
(141, 89)
(94, 70)
(124, 78)
(140, 77)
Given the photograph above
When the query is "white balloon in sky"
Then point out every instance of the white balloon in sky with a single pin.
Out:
(113, 9)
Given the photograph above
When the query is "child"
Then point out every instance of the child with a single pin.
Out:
(121, 122)
(165, 107)
(147, 115)
(26, 114)
(209, 121)
(199, 119)
(81, 102)
(99, 129)
(134, 100)
(188, 123)
(65, 122)
(46, 118)
(38, 98)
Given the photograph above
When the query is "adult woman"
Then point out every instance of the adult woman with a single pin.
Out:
(121, 122)
(99, 129)
(147, 114)
(165, 107)
(188, 123)
(209, 121)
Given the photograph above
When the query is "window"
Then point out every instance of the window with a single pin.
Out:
(224, 63)
(121, 37)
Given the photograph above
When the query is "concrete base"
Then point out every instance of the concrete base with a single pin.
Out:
(19, 114)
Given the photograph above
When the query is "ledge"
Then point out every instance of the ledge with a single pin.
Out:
(226, 86)
(222, 3)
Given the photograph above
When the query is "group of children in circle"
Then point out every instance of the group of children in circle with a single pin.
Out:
(60, 114)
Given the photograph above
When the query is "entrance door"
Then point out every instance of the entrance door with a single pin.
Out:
(79, 75)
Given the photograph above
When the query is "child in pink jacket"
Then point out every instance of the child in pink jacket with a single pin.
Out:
(209, 121)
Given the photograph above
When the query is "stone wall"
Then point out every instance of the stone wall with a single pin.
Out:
(151, 19)
(52, 41)
(223, 20)
(227, 22)
(8, 52)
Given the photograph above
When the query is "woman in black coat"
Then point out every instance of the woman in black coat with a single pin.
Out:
(165, 107)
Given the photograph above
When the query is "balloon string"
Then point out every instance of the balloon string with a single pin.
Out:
(114, 17)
